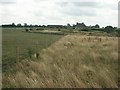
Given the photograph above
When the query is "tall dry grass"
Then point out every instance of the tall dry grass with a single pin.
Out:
(72, 62)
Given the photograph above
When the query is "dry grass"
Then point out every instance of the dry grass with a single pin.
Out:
(74, 61)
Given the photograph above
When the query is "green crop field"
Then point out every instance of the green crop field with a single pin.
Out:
(12, 38)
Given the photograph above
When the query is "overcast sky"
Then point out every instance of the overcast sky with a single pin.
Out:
(91, 12)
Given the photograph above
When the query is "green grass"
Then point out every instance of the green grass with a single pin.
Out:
(25, 41)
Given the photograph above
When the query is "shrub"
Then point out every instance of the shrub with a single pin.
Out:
(31, 51)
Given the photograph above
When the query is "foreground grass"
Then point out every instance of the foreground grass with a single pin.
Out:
(25, 41)
(73, 61)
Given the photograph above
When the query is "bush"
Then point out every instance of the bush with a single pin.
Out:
(59, 29)
(109, 29)
(31, 51)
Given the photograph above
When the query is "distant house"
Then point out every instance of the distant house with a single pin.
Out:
(80, 26)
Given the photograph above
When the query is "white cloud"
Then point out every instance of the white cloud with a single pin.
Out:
(59, 12)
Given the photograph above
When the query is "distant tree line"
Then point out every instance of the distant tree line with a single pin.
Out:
(20, 25)
(77, 26)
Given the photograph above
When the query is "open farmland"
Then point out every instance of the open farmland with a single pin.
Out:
(73, 61)
(12, 38)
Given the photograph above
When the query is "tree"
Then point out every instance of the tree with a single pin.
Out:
(74, 26)
(13, 24)
(97, 26)
(19, 25)
(69, 27)
(43, 26)
(31, 25)
(109, 29)
(36, 25)
(25, 24)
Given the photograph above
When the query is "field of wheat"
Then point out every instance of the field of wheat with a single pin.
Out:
(74, 61)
